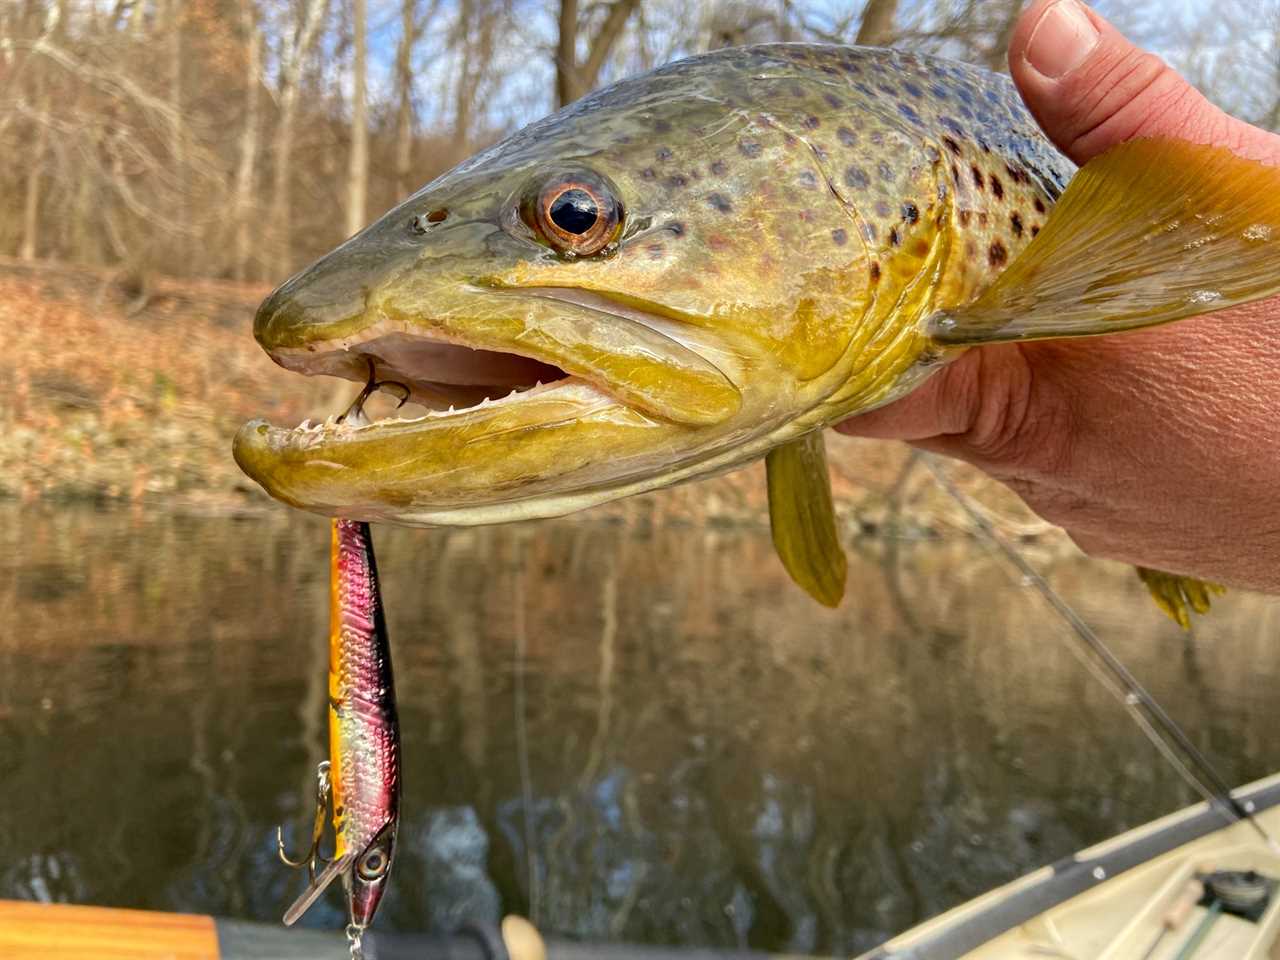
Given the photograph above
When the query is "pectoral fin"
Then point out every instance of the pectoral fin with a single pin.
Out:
(803, 518)
(332, 870)
(1179, 596)
(1148, 232)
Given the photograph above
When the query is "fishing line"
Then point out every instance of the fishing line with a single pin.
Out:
(1155, 722)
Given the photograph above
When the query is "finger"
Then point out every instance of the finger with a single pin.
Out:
(1090, 88)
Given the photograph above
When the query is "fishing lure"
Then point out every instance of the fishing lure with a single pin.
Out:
(362, 774)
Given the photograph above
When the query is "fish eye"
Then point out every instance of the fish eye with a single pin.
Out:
(373, 865)
(576, 213)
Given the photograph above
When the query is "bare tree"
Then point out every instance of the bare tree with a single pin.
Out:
(876, 28)
(293, 58)
(358, 168)
(246, 170)
(574, 79)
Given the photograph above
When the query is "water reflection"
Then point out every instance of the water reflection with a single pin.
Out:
(626, 731)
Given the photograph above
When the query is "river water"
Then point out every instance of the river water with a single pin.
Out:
(625, 731)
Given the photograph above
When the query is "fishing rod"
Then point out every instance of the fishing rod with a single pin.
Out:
(1155, 722)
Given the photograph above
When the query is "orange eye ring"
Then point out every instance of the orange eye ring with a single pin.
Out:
(577, 213)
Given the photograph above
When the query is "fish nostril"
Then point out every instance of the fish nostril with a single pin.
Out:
(423, 222)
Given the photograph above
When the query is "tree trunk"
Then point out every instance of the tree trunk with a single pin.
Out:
(877, 28)
(404, 97)
(31, 203)
(567, 54)
(245, 179)
(358, 168)
(178, 144)
(574, 80)
(290, 80)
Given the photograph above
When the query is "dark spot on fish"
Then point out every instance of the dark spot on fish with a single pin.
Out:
(663, 154)
(1039, 205)
(1034, 230)
(886, 89)
(847, 136)
(877, 137)
(438, 215)
(997, 187)
(986, 147)
(997, 255)
(895, 239)
(677, 180)
(662, 125)
(648, 173)
(939, 91)
(910, 212)
(955, 173)
(964, 216)
(676, 228)
(1015, 221)
(839, 236)
(912, 89)
(885, 171)
(655, 251)
(720, 202)
(811, 122)
(856, 177)
(977, 177)
(882, 208)
(921, 248)
(909, 112)
(719, 168)
(749, 148)
(828, 69)
(949, 124)
(834, 102)
(875, 272)
(982, 218)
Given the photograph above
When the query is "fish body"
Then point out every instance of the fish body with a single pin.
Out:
(790, 213)
(704, 265)
(364, 731)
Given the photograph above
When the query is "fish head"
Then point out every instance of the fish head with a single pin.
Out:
(658, 282)
(366, 881)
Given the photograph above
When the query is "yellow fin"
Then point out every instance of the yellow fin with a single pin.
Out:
(1179, 596)
(1148, 232)
(803, 519)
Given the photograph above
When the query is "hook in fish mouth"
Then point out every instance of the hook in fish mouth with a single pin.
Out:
(355, 412)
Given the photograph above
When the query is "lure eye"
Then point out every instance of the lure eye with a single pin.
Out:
(577, 213)
(373, 865)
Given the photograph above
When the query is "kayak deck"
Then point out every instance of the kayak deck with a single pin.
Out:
(1116, 901)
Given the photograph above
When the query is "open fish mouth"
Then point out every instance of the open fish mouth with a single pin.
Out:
(537, 394)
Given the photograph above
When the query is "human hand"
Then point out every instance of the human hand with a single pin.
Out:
(1159, 447)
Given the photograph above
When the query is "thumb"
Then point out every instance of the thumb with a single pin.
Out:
(1090, 88)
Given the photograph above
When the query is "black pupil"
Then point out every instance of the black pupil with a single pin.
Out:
(374, 862)
(574, 211)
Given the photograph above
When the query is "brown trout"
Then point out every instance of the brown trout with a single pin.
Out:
(707, 264)
(363, 771)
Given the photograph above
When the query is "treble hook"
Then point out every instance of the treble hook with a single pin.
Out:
(357, 405)
(312, 856)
